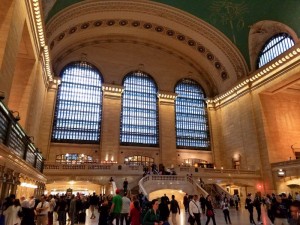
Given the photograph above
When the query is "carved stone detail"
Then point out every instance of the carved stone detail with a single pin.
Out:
(154, 9)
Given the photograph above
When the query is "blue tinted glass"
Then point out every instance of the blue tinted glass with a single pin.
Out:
(275, 46)
(191, 117)
(139, 123)
(78, 106)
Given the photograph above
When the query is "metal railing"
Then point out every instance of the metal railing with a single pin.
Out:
(15, 139)
(191, 169)
(288, 163)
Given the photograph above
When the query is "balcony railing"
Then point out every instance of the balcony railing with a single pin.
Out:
(286, 164)
(13, 136)
(191, 169)
(111, 168)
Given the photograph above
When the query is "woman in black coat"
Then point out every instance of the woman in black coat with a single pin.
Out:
(210, 211)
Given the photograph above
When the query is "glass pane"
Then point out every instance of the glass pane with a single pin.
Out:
(78, 110)
(139, 116)
(191, 117)
(274, 47)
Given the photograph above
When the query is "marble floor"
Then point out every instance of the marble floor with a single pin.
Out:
(240, 217)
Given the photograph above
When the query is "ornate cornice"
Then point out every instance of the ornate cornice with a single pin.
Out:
(112, 91)
(138, 24)
(168, 13)
(166, 97)
(276, 68)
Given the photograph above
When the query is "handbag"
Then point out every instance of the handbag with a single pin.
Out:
(210, 212)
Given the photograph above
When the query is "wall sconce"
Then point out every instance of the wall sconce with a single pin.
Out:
(281, 173)
(17, 117)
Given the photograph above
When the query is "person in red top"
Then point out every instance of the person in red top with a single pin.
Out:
(135, 214)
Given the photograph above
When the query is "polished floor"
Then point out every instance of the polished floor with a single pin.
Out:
(240, 217)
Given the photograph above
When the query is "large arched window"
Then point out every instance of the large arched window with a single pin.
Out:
(78, 109)
(139, 116)
(192, 130)
(275, 46)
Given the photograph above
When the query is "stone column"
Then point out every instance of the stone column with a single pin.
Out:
(47, 120)
(110, 127)
(13, 25)
(168, 152)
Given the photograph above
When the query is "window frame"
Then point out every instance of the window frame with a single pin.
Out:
(205, 116)
(80, 103)
(267, 49)
(124, 143)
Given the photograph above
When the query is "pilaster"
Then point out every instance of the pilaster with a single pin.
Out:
(110, 127)
(168, 154)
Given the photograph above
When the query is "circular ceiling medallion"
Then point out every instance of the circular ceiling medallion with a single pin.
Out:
(135, 23)
(85, 25)
(110, 22)
(159, 29)
(123, 22)
(170, 32)
(72, 30)
(147, 25)
(181, 37)
(201, 49)
(97, 23)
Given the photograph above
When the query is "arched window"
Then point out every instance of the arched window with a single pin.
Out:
(275, 46)
(191, 117)
(139, 116)
(78, 109)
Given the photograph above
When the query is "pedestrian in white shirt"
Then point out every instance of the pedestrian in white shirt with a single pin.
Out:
(225, 208)
(125, 209)
(195, 211)
(42, 210)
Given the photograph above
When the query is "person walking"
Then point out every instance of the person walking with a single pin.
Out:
(42, 211)
(202, 203)
(225, 208)
(249, 207)
(194, 211)
(116, 207)
(135, 213)
(257, 204)
(186, 202)
(210, 214)
(152, 215)
(125, 185)
(280, 211)
(125, 209)
(11, 213)
(174, 208)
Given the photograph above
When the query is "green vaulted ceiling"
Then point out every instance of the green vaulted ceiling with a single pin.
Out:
(231, 17)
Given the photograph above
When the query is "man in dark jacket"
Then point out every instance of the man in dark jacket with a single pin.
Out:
(174, 208)
(295, 213)
(280, 211)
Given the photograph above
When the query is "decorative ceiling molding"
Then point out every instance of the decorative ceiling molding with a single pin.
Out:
(278, 67)
(97, 24)
(209, 85)
(184, 22)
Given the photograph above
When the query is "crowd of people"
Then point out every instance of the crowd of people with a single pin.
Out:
(281, 209)
(137, 209)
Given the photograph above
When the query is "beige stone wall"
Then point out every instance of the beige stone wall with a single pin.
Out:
(281, 112)
(6, 14)
(11, 45)
(233, 128)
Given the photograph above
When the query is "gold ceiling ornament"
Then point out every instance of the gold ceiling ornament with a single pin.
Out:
(39, 28)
